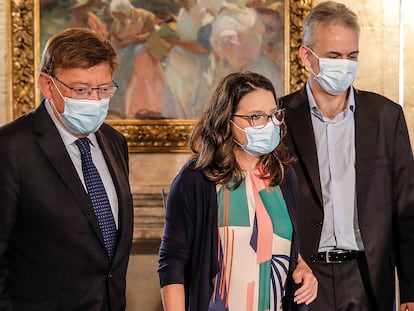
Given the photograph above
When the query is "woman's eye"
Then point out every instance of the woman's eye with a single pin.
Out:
(256, 116)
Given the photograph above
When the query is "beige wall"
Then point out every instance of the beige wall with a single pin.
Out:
(379, 52)
(378, 72)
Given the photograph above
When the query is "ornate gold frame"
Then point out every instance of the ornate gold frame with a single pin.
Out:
(142, 135)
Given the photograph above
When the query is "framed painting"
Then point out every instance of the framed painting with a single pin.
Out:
(185, 56)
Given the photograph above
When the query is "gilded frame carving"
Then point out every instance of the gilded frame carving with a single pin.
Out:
(142, 135)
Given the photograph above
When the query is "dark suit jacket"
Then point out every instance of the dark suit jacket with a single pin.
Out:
(384, 188)
(52, 255)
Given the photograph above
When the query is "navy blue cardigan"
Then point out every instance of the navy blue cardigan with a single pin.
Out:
(188, 251)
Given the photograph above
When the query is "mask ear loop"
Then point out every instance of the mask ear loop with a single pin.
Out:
(53, 81)
(319, 59)
(51, 101)
(57, 113)
(313, 53)
(239, 128)
(243, 130)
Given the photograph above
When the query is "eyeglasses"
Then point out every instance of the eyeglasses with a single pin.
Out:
(84, 92)
(260, 119)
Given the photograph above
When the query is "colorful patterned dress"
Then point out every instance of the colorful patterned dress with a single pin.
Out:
(255, 233)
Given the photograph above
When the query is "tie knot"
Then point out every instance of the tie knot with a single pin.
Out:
(83, 145)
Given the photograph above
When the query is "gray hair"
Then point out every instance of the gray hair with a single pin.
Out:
(328, 13)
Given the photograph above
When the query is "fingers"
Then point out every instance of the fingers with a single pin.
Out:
(303, 275)
(308, 291)
(297, 276)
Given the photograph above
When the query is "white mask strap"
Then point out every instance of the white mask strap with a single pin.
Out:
(314, 54)
(310, 68)
(53, 81)
(237, 126)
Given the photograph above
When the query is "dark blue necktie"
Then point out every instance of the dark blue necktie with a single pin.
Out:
(99, 197)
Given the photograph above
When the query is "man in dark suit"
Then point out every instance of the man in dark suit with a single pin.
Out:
(66, 223)
(356, 173)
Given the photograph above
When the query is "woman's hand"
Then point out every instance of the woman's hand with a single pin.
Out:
(309, 284)
(408, 306)
(173, 297)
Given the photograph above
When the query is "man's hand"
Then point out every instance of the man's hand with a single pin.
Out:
(309, 284)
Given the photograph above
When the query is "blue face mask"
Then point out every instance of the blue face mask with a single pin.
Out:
(83, 116)
(260, 141)
(335, 75)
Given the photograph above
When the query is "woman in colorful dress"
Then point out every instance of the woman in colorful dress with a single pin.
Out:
(230, 240)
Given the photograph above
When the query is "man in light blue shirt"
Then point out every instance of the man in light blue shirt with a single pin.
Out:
(356, 174)
(334, 139)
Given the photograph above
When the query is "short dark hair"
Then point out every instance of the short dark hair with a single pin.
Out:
(327, 12)
(77, 48)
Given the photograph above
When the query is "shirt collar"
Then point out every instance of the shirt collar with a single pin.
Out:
(317, 113)
(67, 137)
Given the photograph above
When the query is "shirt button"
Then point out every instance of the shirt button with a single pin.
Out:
(318, 224)
(110, 275)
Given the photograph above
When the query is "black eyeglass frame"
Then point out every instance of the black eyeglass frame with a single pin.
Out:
(271, 116)
(90, 90)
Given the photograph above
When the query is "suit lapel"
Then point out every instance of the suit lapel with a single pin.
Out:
(120, 181)
(51, 144)
(366, 139)
(300, 131)
(365, 131)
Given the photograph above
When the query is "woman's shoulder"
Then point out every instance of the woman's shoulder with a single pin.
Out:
(191, 175)
(289, 185)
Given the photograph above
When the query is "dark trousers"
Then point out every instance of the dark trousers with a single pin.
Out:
(343, 286)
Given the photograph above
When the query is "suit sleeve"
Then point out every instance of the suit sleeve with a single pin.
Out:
(9, 193)
(403, 198)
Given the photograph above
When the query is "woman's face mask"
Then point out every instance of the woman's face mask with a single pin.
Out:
(335, 75)
(260, 141)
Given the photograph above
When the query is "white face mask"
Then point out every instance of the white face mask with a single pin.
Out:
(335, 75)
(83, 116)
(260, 141)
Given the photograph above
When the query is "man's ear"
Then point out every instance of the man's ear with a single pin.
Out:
(45, 85)
(304, 56)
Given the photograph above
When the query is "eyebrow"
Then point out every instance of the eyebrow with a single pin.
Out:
(261, 111)
(340, 54)
(85, 84)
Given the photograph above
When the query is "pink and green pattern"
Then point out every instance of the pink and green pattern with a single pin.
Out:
(255, 235)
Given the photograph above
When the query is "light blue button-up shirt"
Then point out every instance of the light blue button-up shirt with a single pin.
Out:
(335, 145)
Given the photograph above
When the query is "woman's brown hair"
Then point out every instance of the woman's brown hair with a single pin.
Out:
(212, 140)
